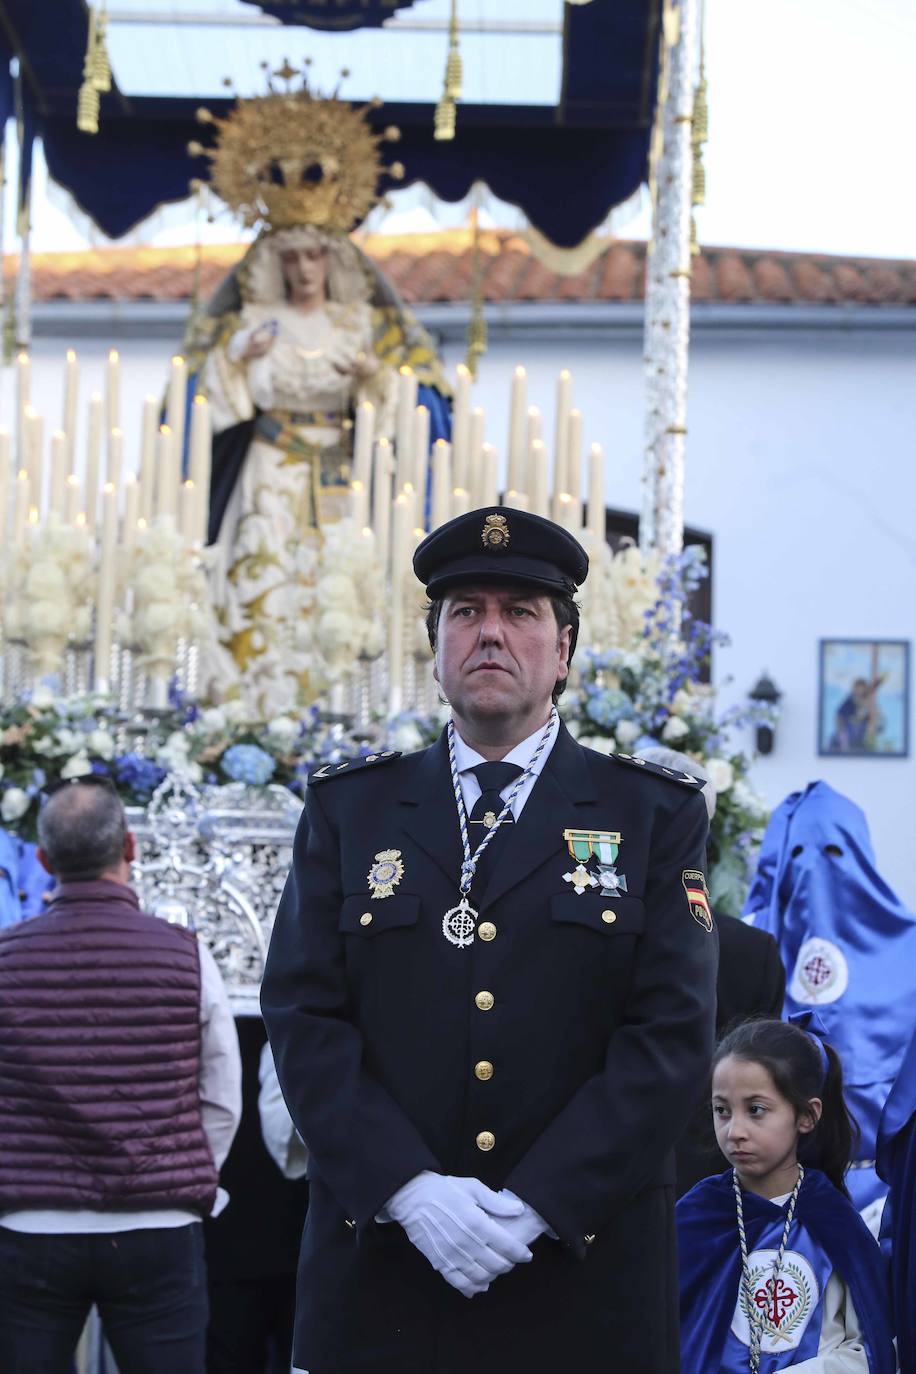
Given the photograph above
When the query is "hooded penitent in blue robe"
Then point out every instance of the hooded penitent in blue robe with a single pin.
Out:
(849, 948)
(897, 1166)
(827, 1234)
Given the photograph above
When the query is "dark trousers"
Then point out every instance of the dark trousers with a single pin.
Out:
(251, 1325)
(149, 1286)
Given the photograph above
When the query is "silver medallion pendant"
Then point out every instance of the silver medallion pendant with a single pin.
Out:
(459, 923)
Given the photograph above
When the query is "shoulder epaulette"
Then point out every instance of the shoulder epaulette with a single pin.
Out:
(354, 765)
(672, 774)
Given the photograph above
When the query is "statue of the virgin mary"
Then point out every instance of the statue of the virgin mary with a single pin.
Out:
(297, 335)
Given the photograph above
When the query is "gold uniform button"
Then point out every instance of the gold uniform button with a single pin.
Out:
(484, 1001)
(609, 917)
(366, 918)
(486, 1140)
(483, 1070)
(487, 931)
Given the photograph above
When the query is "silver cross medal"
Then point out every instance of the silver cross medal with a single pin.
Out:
(612, 882)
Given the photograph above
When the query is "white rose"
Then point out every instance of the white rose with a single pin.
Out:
(45, 581)
(213, 720)
(68, 741)
(77, 766)
(42, 697)
(156, 584)
(336, 631)
(336, 591)
(406, 737)
(628, 732)
(15, 803)
(683, 702)
(675, 729)
(48, 617)
(602, 744)
(236, 712)
(283, 729)
(721, 774)
(101, 743)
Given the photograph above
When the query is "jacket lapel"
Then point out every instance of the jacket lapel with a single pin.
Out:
(430, 816)
(565, 783)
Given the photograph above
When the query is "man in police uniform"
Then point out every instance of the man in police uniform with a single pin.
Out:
(490, 1061)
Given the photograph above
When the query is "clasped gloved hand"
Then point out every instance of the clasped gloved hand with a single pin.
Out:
(452, 1221)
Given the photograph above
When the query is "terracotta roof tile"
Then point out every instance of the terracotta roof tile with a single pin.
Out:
(433, 267)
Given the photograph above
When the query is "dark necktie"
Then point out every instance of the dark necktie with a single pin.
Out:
(493, 778)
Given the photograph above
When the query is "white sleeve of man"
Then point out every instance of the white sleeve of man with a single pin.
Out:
(283, 1142)
(219, 1081)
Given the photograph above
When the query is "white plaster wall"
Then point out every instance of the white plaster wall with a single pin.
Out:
(801, 463)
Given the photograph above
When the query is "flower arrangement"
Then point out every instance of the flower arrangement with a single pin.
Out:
(51, 589)
(648, 689)
(166, 589)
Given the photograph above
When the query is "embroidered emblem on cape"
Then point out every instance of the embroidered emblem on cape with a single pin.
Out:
(785, 1303)
(346, 766)
(495, 533)
(580, 879)
(386, 872)
(697, 897)
(821, 973)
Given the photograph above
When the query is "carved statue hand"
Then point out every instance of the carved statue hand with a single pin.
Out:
(261, 341)
(361, 368)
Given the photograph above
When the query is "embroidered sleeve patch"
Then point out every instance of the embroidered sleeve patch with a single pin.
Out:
(697, 897)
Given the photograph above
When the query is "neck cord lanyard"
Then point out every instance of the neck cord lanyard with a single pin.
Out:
(756, 1318)
(459, 922)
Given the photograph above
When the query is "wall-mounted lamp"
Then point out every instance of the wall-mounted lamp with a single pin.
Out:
(767, 693)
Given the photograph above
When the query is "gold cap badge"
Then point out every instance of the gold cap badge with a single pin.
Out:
(495, 534)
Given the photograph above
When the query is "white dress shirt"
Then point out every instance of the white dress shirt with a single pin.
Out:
(219, 1085)
(467, 758)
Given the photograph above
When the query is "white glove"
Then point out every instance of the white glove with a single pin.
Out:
(450, 1221)
(529, 1224)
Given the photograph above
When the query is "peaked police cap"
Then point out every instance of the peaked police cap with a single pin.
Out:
(500, 544)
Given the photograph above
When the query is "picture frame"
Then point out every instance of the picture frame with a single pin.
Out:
(864, 698)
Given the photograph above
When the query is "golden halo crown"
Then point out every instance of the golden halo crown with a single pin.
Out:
(294, 157)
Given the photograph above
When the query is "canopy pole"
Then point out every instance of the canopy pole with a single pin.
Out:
(668, 260)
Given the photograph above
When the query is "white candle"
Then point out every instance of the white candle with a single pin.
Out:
(475, 458)
(166, 474)
(131, 511)
(21, 508)
(5, 480)
(175, 408)
(148, 458)
(515, 453)
(57, 498)
(115, 457)
(399, 551)
(362, 442)
(71, 397)
(34, 447)
(93, 457)
(574, 466)
(187, 512)
(200, 452)
(563, 513)
(113, 391)
(538, 494)
(403, 432)
(23, 396)
(488, 482)
(461, 501)
(597, 519)
(515, 500)
(359, 504)
(461, 420)
(441, 485)
(561, 440)
(104, 604)
(381, 499)
(420, 444)
(72, 500)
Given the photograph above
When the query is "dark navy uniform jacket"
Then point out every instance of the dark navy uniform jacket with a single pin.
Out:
(595, 1013)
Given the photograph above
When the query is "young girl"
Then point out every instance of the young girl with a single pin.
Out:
(778, 1271)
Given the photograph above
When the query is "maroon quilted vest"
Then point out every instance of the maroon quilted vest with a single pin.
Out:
(99, 1058)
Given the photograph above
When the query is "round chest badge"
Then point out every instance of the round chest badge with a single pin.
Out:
(785, 1303)
(821, 973)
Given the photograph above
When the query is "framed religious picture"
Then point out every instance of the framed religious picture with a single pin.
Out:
(864, 698)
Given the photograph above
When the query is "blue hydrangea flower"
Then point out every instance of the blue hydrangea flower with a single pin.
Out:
(248, 763)
(608, 706)
(138, 775)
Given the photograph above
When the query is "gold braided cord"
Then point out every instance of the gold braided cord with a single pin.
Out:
(297, 157)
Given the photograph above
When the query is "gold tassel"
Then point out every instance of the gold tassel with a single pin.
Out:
(101, 64)
(446, 113)
(698, 194)
(87, 109)
(477, 324)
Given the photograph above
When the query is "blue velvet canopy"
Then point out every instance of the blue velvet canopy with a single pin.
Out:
(565, 166)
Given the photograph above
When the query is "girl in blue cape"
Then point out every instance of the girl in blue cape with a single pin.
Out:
(778, 1270)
